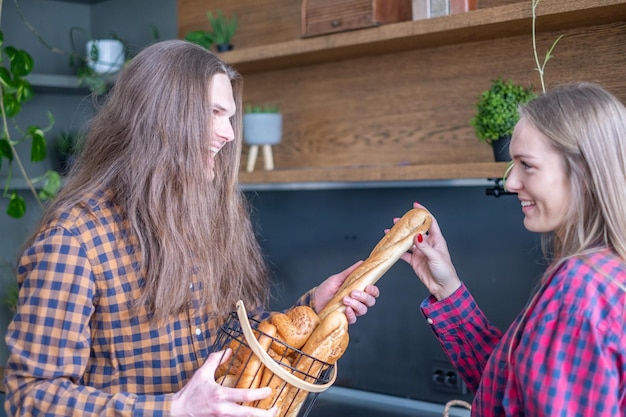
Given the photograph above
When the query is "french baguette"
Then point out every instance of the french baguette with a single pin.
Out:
(385, 254)
(252, 372)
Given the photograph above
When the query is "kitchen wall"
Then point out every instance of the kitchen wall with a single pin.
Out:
(310, 234)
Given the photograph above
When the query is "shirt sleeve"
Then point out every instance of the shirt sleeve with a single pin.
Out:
(463, 331)
(307, 299)
(49, 338)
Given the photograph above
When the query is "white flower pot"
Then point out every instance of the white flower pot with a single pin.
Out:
(105, 56)
(262, 128)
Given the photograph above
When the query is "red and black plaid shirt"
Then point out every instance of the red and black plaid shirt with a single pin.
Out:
(569, 359)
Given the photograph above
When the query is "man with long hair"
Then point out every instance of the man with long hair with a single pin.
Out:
(149, 245)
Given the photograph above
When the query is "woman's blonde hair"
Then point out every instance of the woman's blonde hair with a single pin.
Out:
(149, 146)
(587, 125)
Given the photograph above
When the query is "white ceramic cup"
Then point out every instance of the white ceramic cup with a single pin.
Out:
(110, 54)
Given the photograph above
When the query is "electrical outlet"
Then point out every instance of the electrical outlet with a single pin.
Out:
(444, 377)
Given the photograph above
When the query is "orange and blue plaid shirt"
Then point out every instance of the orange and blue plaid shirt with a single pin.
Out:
(569, 359)
(74, 346)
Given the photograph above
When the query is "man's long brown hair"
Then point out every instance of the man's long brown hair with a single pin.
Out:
(149, 146)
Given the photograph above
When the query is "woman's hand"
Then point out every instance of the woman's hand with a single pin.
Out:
(358, 302)
(202, 396)
(430, 259)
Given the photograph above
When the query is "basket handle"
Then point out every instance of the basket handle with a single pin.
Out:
(453, 403)
(271, 363)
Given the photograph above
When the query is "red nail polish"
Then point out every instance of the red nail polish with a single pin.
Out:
(420, 238)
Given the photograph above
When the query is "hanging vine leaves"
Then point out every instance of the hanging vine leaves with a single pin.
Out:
(16, 90)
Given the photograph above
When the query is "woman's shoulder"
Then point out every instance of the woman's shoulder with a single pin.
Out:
(593, 283)
(594, 268)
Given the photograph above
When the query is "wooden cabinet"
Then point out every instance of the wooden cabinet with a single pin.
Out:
(329, 16)
(393, 102)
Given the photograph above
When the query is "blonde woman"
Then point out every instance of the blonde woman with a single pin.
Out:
(565, 354)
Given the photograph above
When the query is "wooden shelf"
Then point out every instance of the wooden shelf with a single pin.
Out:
(482, 24)
(87, 2)
(480, 170)
(54, 83)
(268, 66)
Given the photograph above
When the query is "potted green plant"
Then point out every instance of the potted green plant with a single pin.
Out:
(201, 37)
(223, 30)
(102, 60)
(105, 56)
(68, 145)
(496, 114)
(262, 126)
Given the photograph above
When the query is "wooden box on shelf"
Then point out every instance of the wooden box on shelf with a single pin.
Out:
(320, 17)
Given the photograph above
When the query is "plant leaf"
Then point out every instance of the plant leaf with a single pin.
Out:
(51, 186)
(17, 206)
(5, 149)
(11, 105)
(21, 61)
(201, 38)
(5, 78)
(24, 90)
(38, 147)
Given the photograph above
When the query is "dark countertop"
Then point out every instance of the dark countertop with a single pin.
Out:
(345, 402)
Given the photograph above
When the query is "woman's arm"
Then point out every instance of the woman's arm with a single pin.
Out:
(463, 331)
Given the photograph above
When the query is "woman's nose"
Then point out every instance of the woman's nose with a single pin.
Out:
(511, 182)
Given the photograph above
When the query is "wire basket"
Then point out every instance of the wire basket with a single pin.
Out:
(260, 360)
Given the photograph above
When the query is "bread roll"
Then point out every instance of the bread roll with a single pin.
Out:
(386, 253)
(294, 327)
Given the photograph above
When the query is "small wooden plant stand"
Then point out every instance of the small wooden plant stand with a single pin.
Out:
(268, 157)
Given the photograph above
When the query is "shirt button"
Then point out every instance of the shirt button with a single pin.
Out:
(191, 286)
(429, 320)
(198, 332)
